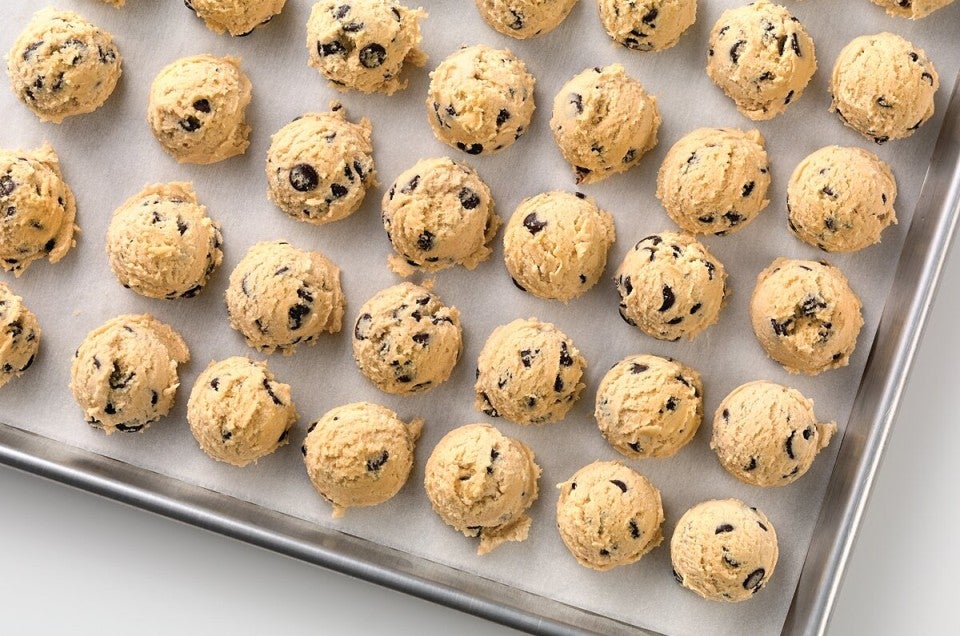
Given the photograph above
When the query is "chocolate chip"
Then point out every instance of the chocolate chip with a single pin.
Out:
(117, 379)
(754, 580)
(731, 562)
(675, 321)
(154, 397)
(303, 177)
(577, 100)
(627, 284)
(696, 307)
(650, 16)
(330, 48)
(375, 464)
(558, 384)
(338, 191)
(752, 465)
(725, 415)
(810, 305)
(421, 338)
(883, 103)
(472, 149)
(604, 552)
(710, 268)
(355, 27)
(533, 223)
(181, 226)
(634, 529)
(747, 189)
(7, 186)
(882, 139)
(340, 12)
(526, 357)
(425, 241)
(295, 316)
(735, 51)
(269, 389)
(468, 198)
(671, 404)
(637, 368)
(411, 185)
(795, 45)
(788, 445)
(361, 329)
(565, 359)
(31, 48)
(677, 577)
(808, 432)
(502, 117)
(372, 55)
(619, 484)
(928, 77)
(130, 428)
(781, 328)
(49, 245)
(733, 217)
(190, 124)
(202, 105)
(668, 298)
(724, 527)
(109, 409)
(762, 527)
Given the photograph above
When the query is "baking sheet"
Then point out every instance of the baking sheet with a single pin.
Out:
(110, 154)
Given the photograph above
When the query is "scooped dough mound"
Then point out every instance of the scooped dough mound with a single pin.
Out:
(19, 335)
(524, 19)
(236, 17)
(647, 25)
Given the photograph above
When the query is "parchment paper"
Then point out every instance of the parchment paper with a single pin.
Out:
(110, 154)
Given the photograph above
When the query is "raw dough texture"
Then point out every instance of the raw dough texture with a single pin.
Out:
(481, 483)
(555, 245)
(805, 315)
(715, 180)
(405, 340)
(236, 17)
(197, 109)
(670, 286)
(124, 375)
(238, 412)
(528, 372)
(438, 214)
(524, 19)
(61, 65)
(647, 25)
(724, 550)
(38, 209)
(19, 335)
(609, 515)
(480, 99)
(359, 454)
(280, 296)
(883, 87)
(766, 434)
(319, 166)
(648, 406)
(162, 244)
(841, 199)
(116, 3)
(762, 58)
(364, 44)
(913, 9)
(604, 122)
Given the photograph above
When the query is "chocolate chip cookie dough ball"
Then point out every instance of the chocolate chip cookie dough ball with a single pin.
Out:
(609, 515)
(555, 245)
(319, 166)
(528, 372)
(761, 57)
(805, 315)
(648, 406)
(481, 483)
(124, 375)
(37, 209)
(280, 297)
(524, 19)
(61, 65)
(647, 25)
(359, 454)
(364, 44)
(841, 199)
(715, 180)
(19, 335)
(883, 87)
(913, 9)
(438, 214)
(405, 340)
(670, 286)
(162, 244)
(724, 550)
(480, 99)
(236, 17)
(766, 434)
(604, 122)
(197, 109)
(238, 412)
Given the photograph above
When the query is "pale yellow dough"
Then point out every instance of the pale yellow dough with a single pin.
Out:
(359, 454)
(37, 209)
(236, 17)
(481, 483)
(913, 9)
(124, 374)
(647, 25)
(19, 335)
(238, 412)
(522, 19)
(197, 109)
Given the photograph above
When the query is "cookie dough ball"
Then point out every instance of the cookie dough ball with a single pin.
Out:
(61, 65)
(438, 214)
(19, 335)
(524, 19)
(648, 25)
(555, 245)
(715, 180)
(841, 199)
(319, 166)
(762, 58)
(238, 412)
(604, 122)
(648, 406)
(609, 515)
(405, 340)
(766, 434)
(280, 296)
(480, 99)
(528, 372)
(670, 286)
(365, 44)
(38, 209)
(197, 109)
(481, 483)
(124, 375)
(724, 550)
(162, 244)
(883, 87)
(805, 315)
(913, 9)
(236, 17)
